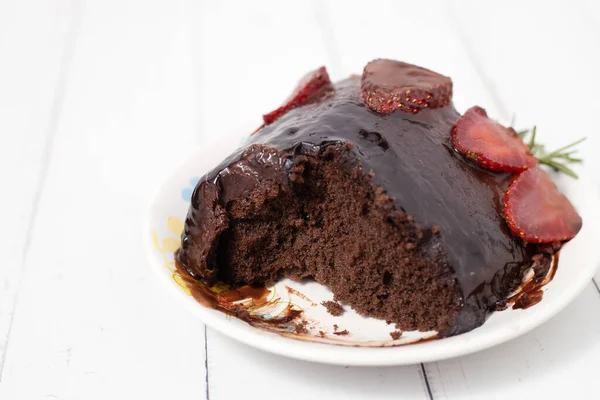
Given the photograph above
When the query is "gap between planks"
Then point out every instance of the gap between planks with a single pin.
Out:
(206, 374)
(426, 382)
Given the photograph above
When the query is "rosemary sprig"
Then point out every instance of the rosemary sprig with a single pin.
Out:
(557, 159)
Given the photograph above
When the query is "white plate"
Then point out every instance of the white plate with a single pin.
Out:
(369, 341)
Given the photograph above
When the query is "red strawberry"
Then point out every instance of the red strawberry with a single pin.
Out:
(537, 212)
(309, 85)
(389, 85)
(491, 145)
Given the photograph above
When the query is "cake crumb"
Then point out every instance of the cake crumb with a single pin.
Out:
(335, 327)
(342, 333)
(334, 308)
(321, 334)
(300, 327)
(396, 335)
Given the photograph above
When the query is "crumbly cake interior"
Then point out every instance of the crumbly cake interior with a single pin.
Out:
(331, 225)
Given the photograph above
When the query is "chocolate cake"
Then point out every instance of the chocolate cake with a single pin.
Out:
(362, 189)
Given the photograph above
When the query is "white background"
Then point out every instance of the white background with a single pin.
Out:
(100, 100)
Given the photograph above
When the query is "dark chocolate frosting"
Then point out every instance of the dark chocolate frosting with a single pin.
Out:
(412, 159)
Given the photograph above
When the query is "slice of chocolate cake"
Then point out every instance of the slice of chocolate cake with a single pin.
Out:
(358, 186)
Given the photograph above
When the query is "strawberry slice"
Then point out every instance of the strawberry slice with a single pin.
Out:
(311, 84)
(537, 212)
(489, 144)
(389, 85)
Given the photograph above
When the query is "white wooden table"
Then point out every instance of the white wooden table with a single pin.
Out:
(100, 99)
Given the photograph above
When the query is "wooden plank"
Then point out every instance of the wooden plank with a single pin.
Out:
(92, 322)
(252, 59)
(266, 373)
(34, 37)
(560, 359)
(541, 70)
(419, 34)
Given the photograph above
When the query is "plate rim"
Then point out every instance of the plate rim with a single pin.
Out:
(409, 354)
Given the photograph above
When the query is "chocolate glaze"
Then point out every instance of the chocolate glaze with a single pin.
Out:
(227, 299)
(411, 157)
(532, 291)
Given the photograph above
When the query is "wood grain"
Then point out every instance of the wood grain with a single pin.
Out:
(248, 68)
(92, 322)
(557, 360)
(35, 40)
(101, 100)
(540, 72)
(261, 373)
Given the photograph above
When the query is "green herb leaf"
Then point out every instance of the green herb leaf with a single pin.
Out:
(562, 149)
(557, 159)
(560, 167)
(532, 140)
